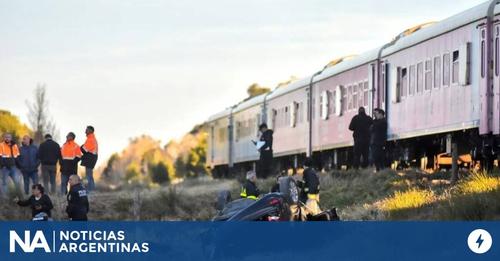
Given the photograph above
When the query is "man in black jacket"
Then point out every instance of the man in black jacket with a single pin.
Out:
(378, 138)
(39, 202)
(360, 126)
(265, 164)
(78, 202)
(249, 189)
(49, 154)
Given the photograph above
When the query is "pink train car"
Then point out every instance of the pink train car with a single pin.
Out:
(438, 83)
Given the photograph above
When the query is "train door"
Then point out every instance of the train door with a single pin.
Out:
(485, 120)
(372, 93)
(496, 79)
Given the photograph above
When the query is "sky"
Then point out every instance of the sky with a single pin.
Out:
(159, 67)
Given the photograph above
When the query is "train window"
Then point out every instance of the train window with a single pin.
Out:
(437, 71)
(238, 131)
(428, 75)
(332, 102)
(324, 105)
(420, 77)
(365, 95)
(446, 69)
(412, 80)
(497, 56)
(361, 94)
(404, 82)
(355, 96)
(344, 100)
(349, 95)
(455, 67)
(274, 115)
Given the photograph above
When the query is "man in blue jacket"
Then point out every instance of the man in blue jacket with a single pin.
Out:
(29, 162)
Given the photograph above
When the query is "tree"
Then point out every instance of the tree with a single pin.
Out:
(159, 172)
(10, 123)
(39, 116)
(256, 90)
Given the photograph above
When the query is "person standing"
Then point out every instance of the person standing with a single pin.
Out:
(49, 154)
(265, 164)
(28, 162)
(310, 189)
(378, 139)
(360, 126)
(39, 202)
(89, 158)
(249, 189)
(9, 155)
(71, 155)
(78, 202)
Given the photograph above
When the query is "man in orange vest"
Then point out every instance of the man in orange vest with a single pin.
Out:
(9, 153)
(71, 155)
(89, 158)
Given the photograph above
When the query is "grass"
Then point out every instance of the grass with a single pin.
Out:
(358, 195)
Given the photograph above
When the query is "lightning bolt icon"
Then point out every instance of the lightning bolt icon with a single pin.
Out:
(479, 241)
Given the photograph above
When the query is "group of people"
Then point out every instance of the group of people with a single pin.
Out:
(41, 204)
(29, 158)
(370, 136)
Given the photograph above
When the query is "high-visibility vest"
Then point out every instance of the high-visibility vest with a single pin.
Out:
(90, 144)
(70, 150)
(243, 194)
(313, 197)
(8, 151)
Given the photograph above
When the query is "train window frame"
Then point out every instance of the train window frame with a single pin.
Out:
(403, 84)
(419, 78)
(366, 93)
(428, 75)
(354, 94)
(455, 61)
(443, 78)
(349, 94)
(437, 72)
(497, 54)
(344, 99)
(412, 80)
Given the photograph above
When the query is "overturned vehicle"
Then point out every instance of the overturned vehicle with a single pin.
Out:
(278, 206)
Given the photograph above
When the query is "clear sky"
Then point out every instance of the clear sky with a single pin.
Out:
(159, 67)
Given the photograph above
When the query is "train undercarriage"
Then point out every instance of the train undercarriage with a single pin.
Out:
(427, 153)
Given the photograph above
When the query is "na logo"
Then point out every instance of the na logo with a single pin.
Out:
(28, 245)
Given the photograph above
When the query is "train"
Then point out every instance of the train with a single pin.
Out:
(439, 84)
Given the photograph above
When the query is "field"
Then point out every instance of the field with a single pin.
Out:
(358, 195)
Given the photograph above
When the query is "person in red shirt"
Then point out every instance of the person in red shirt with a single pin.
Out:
(71, 155)
(9, 152)
(89, 159)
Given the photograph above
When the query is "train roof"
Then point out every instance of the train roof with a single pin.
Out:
(466, 17)
(250, 102)
(222, 114)
(289, 88)
(328, 72)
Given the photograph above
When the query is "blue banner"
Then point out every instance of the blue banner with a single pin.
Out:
(249, 241)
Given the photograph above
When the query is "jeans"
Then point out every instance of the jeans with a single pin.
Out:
(49, 175)
(90, 179)
(27, 175)
(9, 172)
(64, 184)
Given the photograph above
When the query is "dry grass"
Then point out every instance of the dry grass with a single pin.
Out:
(358, 195)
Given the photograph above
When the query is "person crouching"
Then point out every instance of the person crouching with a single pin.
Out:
(40, 203)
